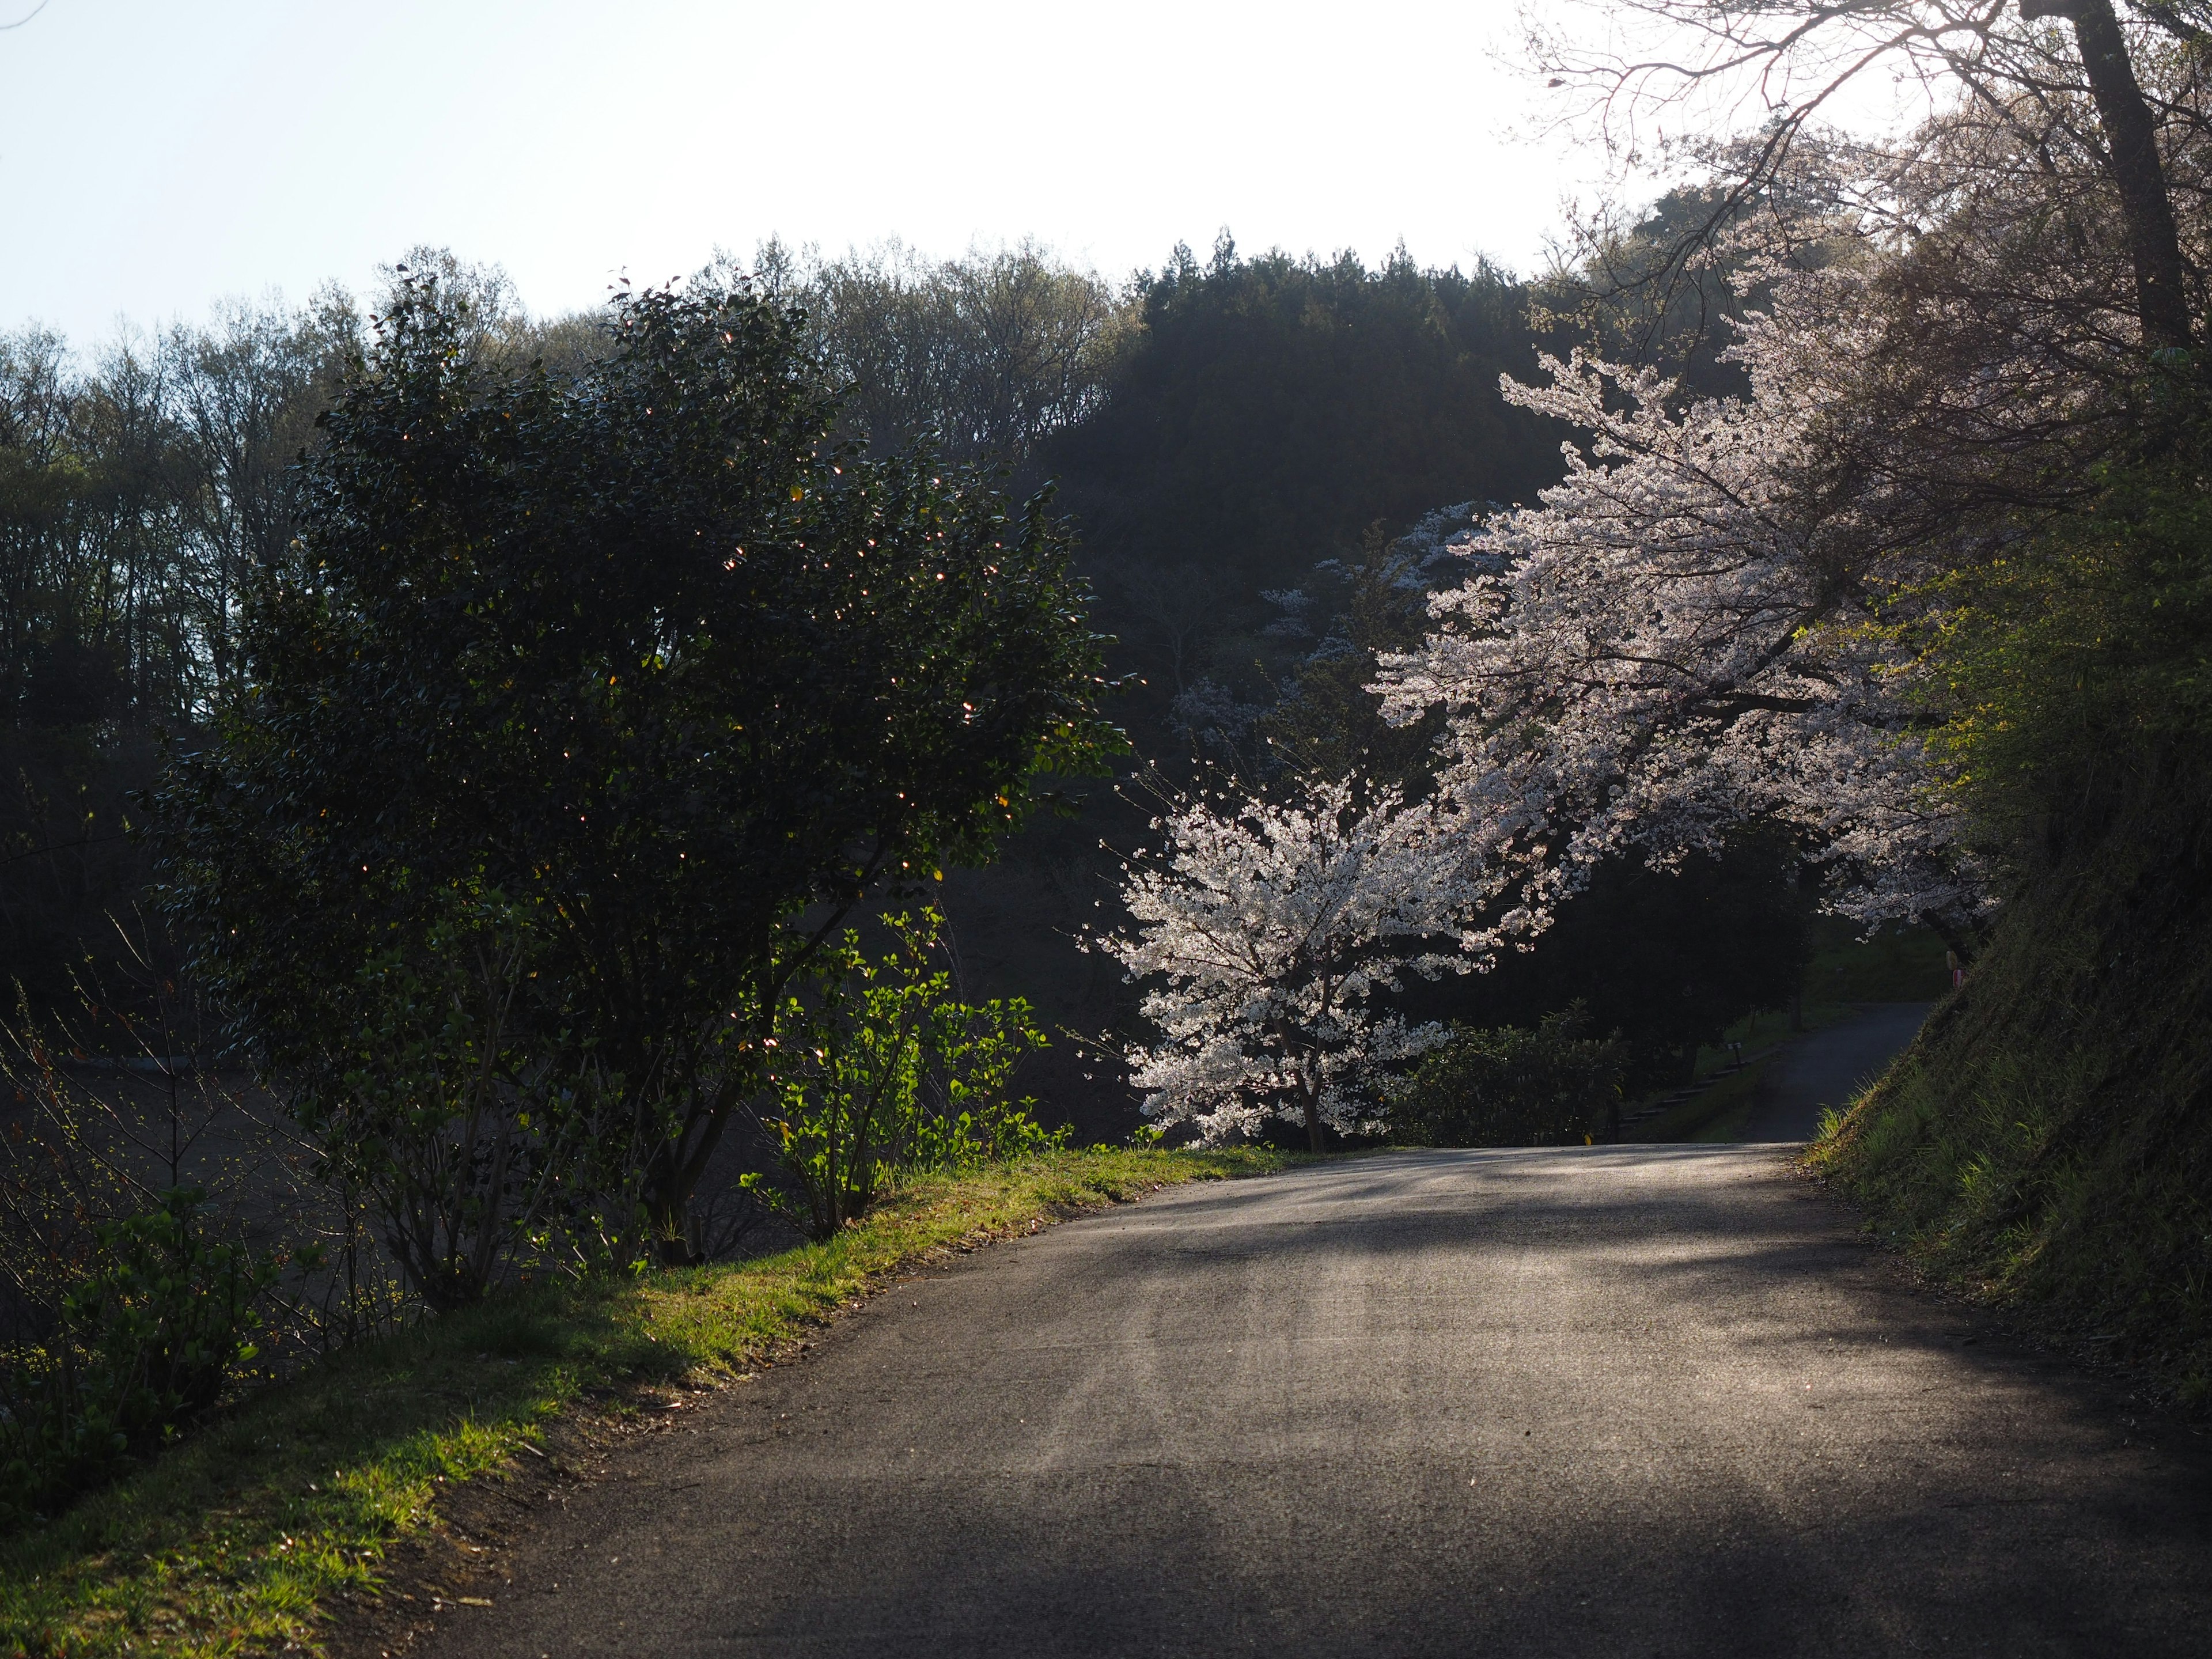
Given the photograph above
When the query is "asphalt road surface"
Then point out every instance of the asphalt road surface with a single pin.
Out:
(1597, 1401)
(1827, 1068)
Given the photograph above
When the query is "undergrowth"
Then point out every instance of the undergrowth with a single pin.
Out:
(1719, 1113)
(234, 1541)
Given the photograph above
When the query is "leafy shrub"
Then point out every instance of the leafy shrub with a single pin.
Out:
(427, 1090)
(151, 1335)
(883, 1068)
(1510, 1086)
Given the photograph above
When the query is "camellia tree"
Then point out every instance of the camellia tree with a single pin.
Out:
(1267, 929)
(647, 655)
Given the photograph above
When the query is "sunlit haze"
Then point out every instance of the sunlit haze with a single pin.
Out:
(156, 155)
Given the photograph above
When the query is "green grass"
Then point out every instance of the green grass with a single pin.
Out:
(1899, 963)
(1764, 1030)
(236, 1539)
(1729, 1104)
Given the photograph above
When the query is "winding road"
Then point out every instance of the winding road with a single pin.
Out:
(1591, 1401)
(1828, 1068)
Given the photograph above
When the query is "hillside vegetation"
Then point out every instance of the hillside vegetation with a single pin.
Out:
(2046, 1141)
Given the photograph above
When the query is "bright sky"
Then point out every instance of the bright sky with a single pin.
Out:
(157, 153)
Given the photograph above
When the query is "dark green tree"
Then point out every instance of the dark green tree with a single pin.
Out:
(1325, 721)
(1664, 958)
(644, 653)
(1265, 413)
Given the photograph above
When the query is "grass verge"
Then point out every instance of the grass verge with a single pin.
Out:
(1727, 1105)
(235, 1540)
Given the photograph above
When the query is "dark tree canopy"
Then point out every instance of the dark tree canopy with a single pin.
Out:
(642, 652)
(1272, 408)
(1666, 959)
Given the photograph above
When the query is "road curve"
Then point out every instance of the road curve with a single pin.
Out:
(1603, 1400)
(1828, 1068)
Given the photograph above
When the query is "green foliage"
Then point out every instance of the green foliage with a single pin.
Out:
(2046, 1141)
(1325, 720)
(1551, 1086)
(1717, 1111)
(990, 352)
(1272, 408)
(1898, 963)
(164, 1317)
(133, 491)
(1264, 415)
(438, 1097)
(883, 1068)
(1668, 959)
(643, 651)
(2088, 641)
(149, 1337)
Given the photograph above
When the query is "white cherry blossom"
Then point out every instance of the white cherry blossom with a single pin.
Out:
(1681, 636)
(1266, 929)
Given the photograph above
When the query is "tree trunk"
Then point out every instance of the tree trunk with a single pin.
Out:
(1957, 942)
(672, 1172)
(1313, 1119)
(2131, 138)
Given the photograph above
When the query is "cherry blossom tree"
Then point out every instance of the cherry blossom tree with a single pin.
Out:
(1680, 637)
(2093, 88)
(1268, 929)
(1726, 610)
(1731, 607)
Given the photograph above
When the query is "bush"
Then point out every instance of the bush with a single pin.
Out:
(883, 1068)
(1552, 1086)
(470, 1142)
(151, 1335)
(628, 670)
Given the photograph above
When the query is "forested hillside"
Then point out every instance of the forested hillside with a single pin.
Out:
(1275, 459)
(146, 483)
(1265, 463)
(1268, 411)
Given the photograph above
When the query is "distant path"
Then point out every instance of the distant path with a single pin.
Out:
(1827, 1068)
(1609, 1400)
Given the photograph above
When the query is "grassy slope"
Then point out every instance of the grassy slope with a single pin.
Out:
(231, 1541)
(1700, 1117)
(2045, 1142)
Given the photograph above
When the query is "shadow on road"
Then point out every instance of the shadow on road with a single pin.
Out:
(1583, 1401)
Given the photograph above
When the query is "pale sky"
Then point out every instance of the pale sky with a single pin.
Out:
(156, 154)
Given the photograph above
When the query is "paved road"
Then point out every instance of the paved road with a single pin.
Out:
(1593, 1401)
(1827, 1068)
